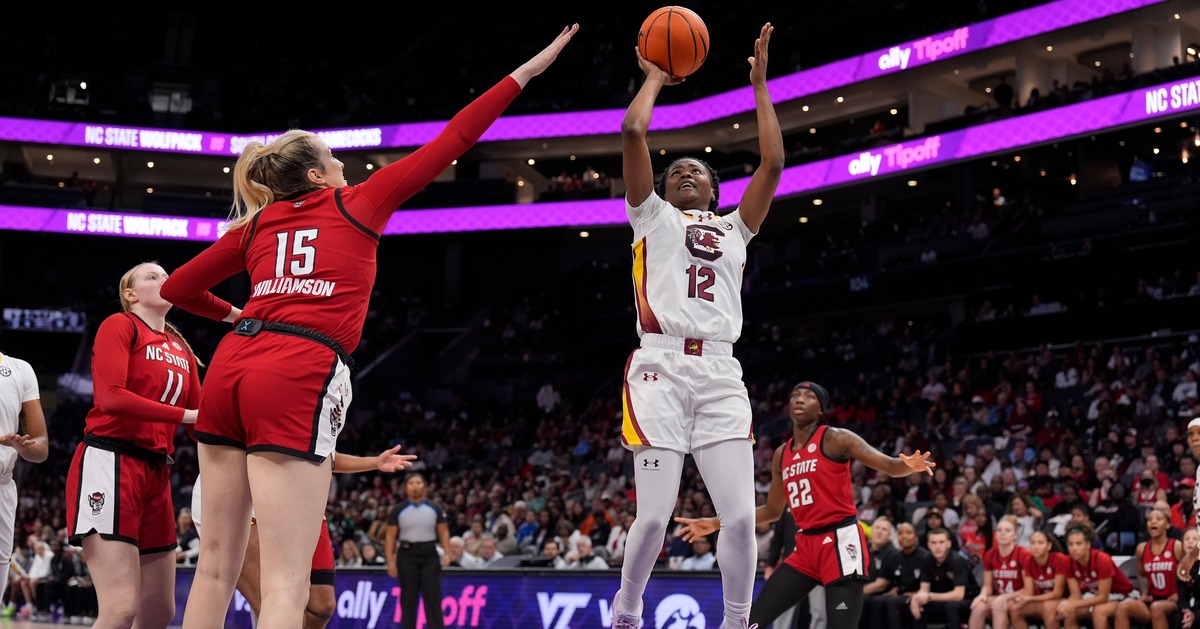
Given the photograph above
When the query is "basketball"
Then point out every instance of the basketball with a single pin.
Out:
(675, 39)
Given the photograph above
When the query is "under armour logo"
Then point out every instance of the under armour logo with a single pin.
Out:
(245, 326)
(648, 376)
(646, 463)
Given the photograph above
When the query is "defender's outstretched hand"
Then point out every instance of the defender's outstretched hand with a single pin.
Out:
(919, 462)
(543, 59)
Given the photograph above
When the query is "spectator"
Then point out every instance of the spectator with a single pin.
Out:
(349, 555)
(371, 556)
(80, 604)
(584, 556)
(457, 552)
(188, 545)
(526, 531)
(40, 572)
(1120, 520)
(553, 552)
(885, 560)
(615, 545)
(488, 554)
(1029, 518)
(702, 556)
(1183, 512)
(548, 398)
(473, 537)
(506, 542)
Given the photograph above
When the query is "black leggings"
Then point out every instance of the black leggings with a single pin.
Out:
(787, 587)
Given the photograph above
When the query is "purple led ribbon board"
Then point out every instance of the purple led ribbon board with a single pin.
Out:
(1118, 110)
(967, 39)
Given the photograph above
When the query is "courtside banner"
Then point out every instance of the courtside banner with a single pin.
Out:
(511, 599)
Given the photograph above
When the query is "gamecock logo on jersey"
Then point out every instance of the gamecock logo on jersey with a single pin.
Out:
(704, 241)
(96, 501)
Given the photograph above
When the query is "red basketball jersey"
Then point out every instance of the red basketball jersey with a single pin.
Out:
(311, 259)
(143, 380)
(818, 487)
(1008, 571)
(1159, 569)
(1100, 566)
(1043, 576)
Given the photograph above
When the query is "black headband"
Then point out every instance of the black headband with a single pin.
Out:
(818, 390)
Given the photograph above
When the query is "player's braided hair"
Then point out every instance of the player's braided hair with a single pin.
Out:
(661, 186)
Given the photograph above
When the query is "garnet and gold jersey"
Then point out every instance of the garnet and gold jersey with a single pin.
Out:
(687, 270)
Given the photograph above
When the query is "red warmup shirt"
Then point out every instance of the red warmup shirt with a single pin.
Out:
(1008, 571)
(1043, 576)
(143, 381)
(311, 259)
(818, 487)
(1100, 566)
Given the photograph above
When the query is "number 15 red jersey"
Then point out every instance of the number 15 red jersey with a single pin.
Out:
(818, 487)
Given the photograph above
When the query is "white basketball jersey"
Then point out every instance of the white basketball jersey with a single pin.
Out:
(18, 385)
(687, 270)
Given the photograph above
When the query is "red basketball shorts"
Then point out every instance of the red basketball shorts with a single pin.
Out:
(828, 557)
(120, 498)
(276, 393)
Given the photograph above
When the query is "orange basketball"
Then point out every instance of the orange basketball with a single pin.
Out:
(675, 39)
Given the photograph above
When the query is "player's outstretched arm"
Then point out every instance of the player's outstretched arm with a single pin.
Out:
(850, 445)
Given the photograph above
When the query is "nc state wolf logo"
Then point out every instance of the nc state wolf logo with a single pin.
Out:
(338, 410)
(96, 501)
(852, 550)
(335, 419)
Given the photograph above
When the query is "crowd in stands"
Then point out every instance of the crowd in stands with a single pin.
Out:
(1089, 430)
